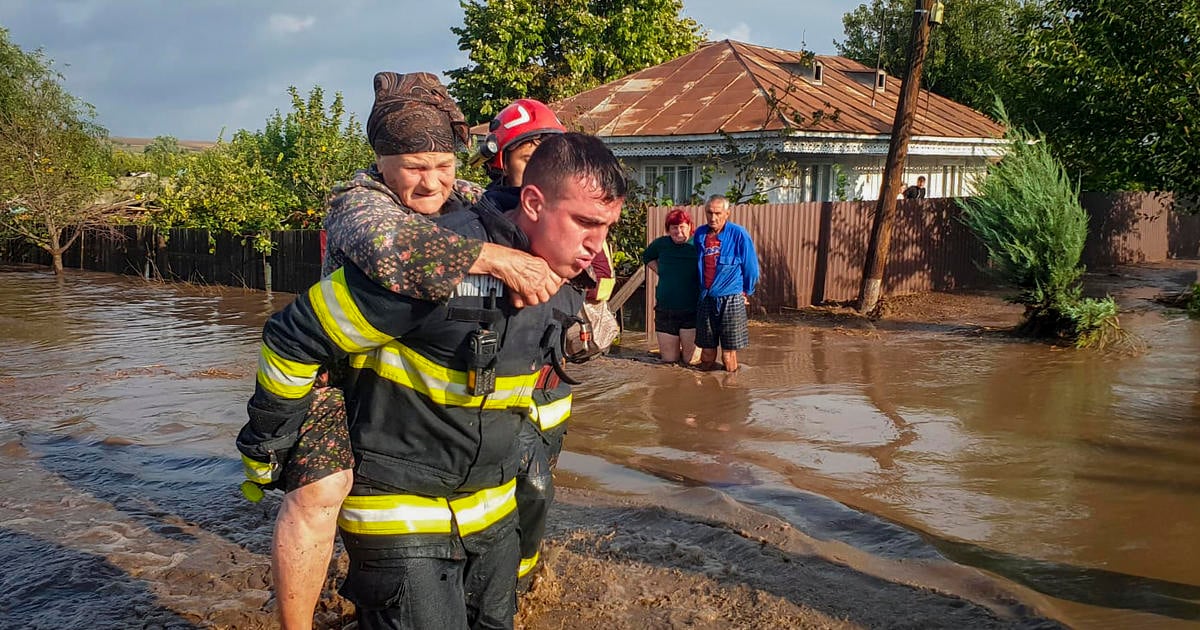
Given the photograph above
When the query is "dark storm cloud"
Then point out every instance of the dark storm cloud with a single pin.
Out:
(192, 68)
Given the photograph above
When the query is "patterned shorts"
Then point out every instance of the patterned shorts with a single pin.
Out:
(722, 320)
(324, 445)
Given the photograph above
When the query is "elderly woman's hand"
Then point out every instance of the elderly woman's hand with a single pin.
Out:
(528, 277)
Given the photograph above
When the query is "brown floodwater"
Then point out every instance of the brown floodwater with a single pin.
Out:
(1073, 474)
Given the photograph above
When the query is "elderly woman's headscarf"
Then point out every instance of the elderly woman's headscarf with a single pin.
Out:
(413, 113)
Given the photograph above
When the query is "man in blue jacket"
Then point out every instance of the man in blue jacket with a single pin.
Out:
(728, 273)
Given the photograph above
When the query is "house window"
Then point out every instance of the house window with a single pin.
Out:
(821, 176)
(813, 182)
(952, 181)
(669, 181)
(817, 183)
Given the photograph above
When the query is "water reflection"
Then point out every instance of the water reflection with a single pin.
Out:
(1062, 464)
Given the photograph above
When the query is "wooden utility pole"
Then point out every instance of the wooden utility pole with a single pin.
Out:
(885, 210)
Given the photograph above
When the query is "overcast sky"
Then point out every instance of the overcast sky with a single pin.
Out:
(190, 68)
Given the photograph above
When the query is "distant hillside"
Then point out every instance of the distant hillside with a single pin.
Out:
(138, 145)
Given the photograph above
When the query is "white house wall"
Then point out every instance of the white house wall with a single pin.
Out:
(950, 166)
(945, 177)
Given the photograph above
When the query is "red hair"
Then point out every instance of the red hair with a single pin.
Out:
(678, 217)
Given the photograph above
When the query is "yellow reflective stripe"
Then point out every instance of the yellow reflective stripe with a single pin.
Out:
(341, 292)
(604, 288)
(256, 471)
(283, 377)
(527, 565)
(551, 414)
(485, 508)
(444, 386)
(340, 317)
(394, 514)
(407, 514)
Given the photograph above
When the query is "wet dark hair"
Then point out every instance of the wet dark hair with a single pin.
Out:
(562, 157)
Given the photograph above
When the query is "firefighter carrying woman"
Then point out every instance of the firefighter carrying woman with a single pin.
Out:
(418, 507)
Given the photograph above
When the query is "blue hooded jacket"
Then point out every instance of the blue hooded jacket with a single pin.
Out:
(737, 264)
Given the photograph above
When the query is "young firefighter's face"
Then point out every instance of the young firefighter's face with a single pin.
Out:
(516, 159)
(569, 225)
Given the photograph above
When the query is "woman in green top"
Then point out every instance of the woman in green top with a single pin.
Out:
(675, 259)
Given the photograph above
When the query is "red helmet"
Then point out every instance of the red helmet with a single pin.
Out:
(525, 118)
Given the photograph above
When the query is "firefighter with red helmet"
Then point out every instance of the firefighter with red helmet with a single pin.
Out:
(513, 135)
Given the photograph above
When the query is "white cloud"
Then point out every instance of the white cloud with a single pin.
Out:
(284, 24)
(740, 32)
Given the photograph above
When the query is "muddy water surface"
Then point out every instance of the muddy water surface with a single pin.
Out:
(1072, 474)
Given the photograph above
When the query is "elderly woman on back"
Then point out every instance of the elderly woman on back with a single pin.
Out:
(377, 221)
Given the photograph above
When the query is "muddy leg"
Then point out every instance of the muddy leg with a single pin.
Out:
(729, 357)
(303, 545)
(668, 347)
(687, 341)
(708, 358)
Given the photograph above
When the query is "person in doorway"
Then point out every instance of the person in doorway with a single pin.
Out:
(674, 258)
(728, 270)
(378, 221)
(917, 190)
(439, 393)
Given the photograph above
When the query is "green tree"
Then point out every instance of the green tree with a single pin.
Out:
(309, 149)
(162, 157)
(1027, 214)
(53, 157)
(1116, 88)
(972, 54)
(219, 190)
(163, 154)
(551, 49)
(270, 179)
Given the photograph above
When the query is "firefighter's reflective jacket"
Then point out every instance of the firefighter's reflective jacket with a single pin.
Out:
(433, 455)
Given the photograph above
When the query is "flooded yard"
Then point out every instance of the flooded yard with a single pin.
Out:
(935, 464)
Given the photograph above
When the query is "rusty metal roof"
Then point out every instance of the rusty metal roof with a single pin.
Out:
(728, 86)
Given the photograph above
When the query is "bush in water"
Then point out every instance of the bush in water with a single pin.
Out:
(1027, 214)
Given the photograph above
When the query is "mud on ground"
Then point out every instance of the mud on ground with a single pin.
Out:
(694, 559)
(698, 560)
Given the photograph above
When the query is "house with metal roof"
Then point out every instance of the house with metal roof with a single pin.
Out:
(705, 113)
